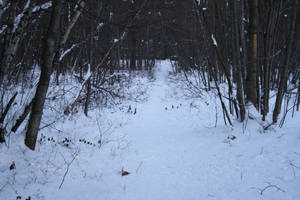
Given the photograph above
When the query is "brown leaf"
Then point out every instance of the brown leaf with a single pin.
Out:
(125, 173)
(12, 166)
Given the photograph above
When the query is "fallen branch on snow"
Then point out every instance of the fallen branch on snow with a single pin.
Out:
(261, 191)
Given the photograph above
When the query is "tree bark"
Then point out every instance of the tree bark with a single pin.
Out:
(3, 7)
(22, 117)
(251, 78)
(132, 49)
(58, 57)
(285, 70)
(88, 97)
(132, 37)
(237, 62)
(3, 115)
(14, 38)
(46, 71)
(269, 44)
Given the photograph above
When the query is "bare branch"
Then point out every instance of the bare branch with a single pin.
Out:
(68, 167)
(261, 191)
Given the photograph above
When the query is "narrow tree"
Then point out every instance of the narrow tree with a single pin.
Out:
(251, 83)
(50, 45)
(285, 70)
(237, 61)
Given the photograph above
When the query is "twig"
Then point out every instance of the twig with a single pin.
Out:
(22, 117)
(1, 189)
(298, 154)
(261, 151)
(268, 126)
(68, 167)
(261, 191)
(293, 166)
(138, 168)
(8, 184)
(3, 115)
(50, 124)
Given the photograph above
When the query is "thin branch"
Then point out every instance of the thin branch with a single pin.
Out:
(68, 167)
(261, 191)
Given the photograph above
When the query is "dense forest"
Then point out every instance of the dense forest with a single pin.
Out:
(149, 99)
(252, 47)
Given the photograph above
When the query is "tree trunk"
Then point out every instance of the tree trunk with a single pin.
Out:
(88, 97)
(298, 100)
(132, 35)
(50, 46)
(269, 44)
(3, 7)
(251, 83)
(285, 70)
(58, 56)
(22, 117)
(132, 49)
(237, 62)
(14, 37)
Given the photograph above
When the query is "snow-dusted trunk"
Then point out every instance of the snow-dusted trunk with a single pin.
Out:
(237, 61)
(69, 109)
(72, 23)
(285, 70)
(8, 35)
(3, 7)
(14, 34)
(46, 70)
(60, 54)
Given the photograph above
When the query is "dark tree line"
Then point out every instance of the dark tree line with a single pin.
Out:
(251, 45)
(257, 51)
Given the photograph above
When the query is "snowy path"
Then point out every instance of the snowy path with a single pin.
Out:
(161, 152)
(171, 149)
(172, 156)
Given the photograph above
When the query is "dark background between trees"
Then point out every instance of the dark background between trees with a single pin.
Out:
(256, 50)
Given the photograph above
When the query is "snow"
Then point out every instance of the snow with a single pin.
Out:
(214, 40)
(100, 25)
(3, 28)
(88, 74)
(123, 36)
(170, 146)
(43, 6)
(63, 54)
(19, 17)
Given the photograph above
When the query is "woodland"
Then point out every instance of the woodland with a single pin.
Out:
(252, 45)
(244, 52)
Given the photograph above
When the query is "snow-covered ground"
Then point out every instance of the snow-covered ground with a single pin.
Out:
(168, 144)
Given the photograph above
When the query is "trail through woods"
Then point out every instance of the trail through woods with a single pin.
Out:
(170, 147)
(175, 152)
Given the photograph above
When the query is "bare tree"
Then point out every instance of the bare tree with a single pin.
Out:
(50, 47)
(251, 79)
(285, 70)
